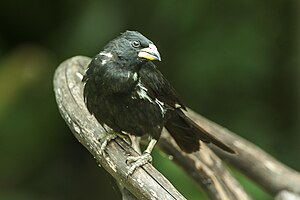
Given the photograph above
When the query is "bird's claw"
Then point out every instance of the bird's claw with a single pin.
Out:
(138, 161)
(105, 140)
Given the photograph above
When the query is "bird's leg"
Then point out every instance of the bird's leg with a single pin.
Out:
(138, 161)
(107, 137)
(135, 143)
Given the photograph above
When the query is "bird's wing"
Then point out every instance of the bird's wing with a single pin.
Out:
(185, 131)
(158, 86)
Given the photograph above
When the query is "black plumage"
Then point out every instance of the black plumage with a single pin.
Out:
(124, 90)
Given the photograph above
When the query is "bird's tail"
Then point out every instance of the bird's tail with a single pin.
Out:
(187, 134)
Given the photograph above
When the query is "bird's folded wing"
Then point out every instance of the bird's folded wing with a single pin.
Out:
(158, 87)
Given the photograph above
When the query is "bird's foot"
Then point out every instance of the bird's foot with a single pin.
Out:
(138, 161)
(105, 140)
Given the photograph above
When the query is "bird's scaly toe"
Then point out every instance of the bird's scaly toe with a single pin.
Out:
(105, 140)
(138, 161)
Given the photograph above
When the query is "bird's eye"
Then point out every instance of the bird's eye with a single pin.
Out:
(136, 44)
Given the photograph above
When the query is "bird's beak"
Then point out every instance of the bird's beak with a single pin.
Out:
(149, 53)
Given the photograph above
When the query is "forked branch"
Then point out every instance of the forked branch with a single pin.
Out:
(147, 183)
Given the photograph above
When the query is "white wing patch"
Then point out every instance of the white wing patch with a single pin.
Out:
(177, 105)
(161, 106)
(142, 93)
(135, 76)
(107, 56)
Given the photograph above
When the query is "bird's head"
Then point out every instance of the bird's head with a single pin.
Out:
(133, 48)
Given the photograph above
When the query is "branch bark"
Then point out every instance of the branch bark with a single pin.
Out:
(147, 183)
(206, 169)
(251, 160)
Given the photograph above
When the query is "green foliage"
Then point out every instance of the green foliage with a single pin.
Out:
(236, 62)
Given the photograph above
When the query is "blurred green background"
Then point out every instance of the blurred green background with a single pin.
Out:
(235, 62)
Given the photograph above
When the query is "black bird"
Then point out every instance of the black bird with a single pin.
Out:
(124, 90)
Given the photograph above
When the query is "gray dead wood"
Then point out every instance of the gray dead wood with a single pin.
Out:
(252, 161)
(206, 169)
(286, 195)
(147, 183)
(68, 89)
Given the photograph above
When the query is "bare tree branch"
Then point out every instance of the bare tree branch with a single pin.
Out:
(262, 168)
(286, 195)
(204, 166)
(206, 169)
(146, 182)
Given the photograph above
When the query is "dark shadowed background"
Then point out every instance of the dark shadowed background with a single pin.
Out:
(235, 62)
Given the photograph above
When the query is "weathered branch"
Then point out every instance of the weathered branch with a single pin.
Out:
(146, 182)
(286, 195)
(206, 169)
(262, 168)
(204, 166)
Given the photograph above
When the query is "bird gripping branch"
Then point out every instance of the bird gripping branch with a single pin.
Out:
(125, 91)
